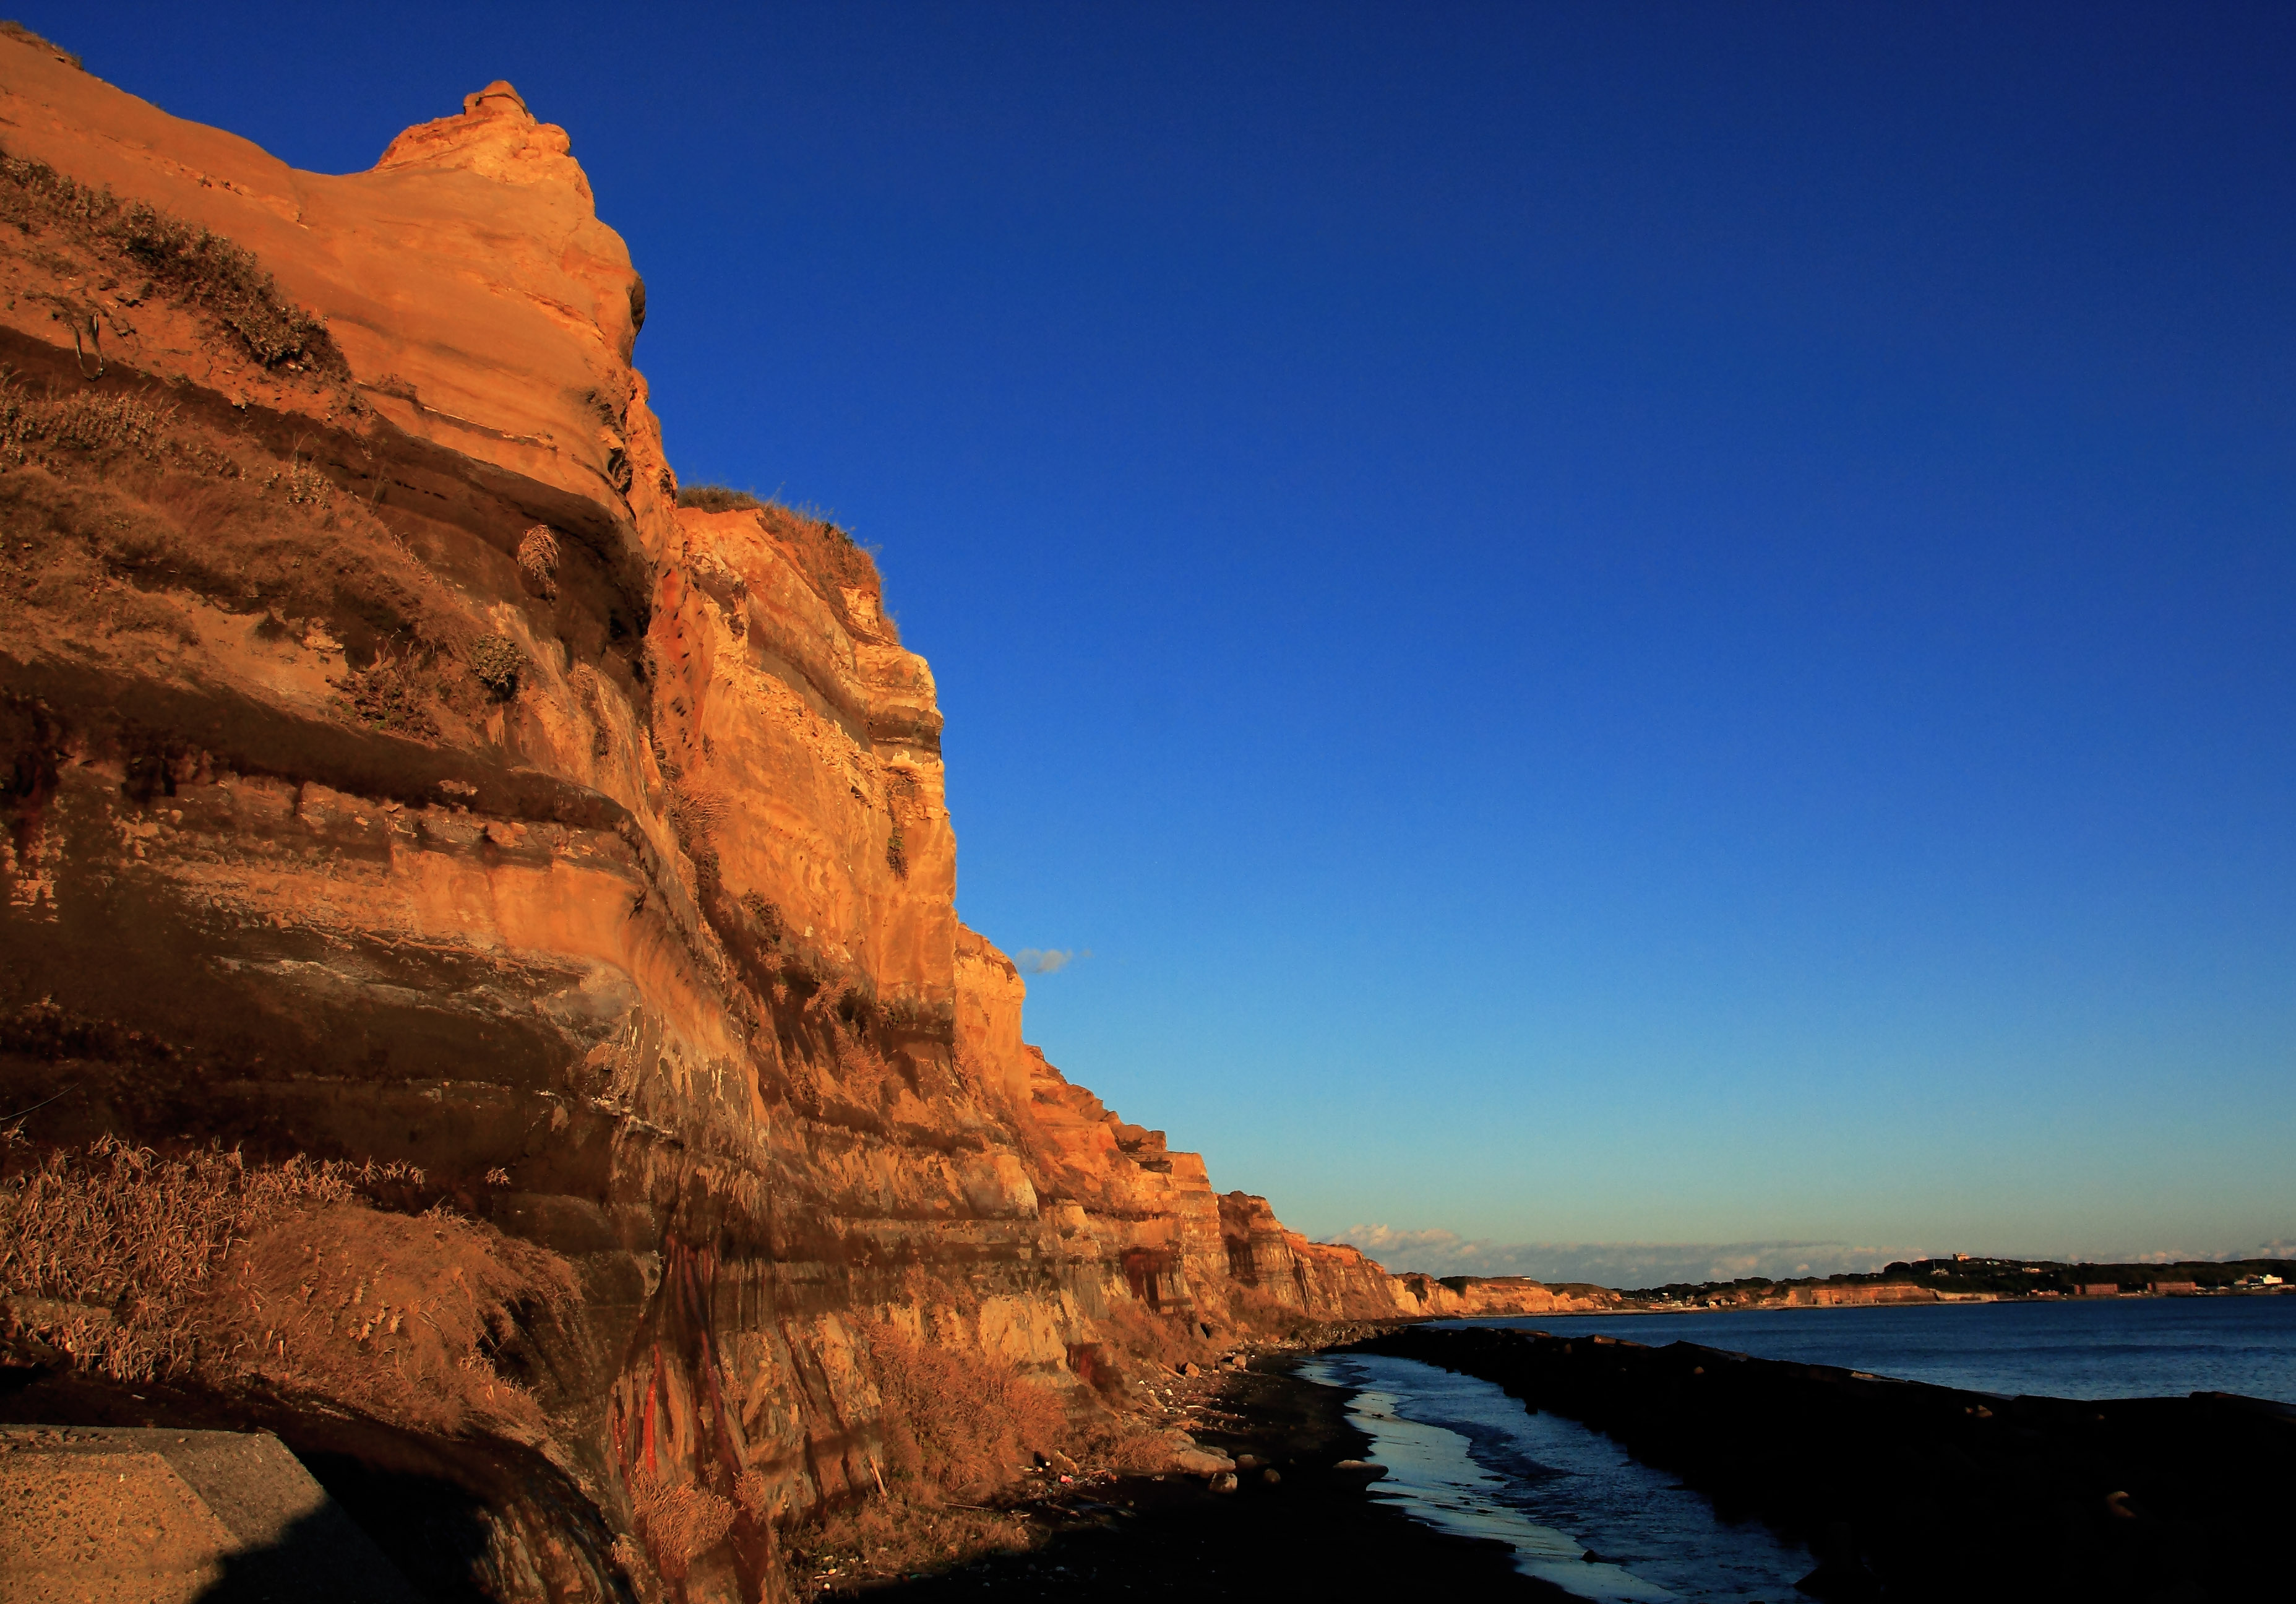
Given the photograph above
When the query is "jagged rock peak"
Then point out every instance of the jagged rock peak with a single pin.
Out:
(497, 136)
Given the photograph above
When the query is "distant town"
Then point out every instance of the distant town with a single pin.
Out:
(1966, 1277)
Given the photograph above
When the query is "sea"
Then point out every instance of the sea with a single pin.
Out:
(1464, 1457)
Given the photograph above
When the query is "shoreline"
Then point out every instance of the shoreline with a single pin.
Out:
(1315, 1531)
(2036, 1497)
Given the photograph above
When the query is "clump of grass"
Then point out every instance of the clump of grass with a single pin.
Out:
(954, 1425)
(765, 918)
(150, 1266)
(408, 1318)
(93, 422)
(716, 498)
(119, 1228)
(1169, 1340)
(890, 1536)
(537, 562)
(391, 695)
(23, 35)
(681, 1522)
(194, 267)
(956, 1422)
(299, 484)
(497, 662)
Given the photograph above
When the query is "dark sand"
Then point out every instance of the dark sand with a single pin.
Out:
(1315, 1534)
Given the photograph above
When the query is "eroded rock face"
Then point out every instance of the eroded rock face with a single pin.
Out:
(393, 771)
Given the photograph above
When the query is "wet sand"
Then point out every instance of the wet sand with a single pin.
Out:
(1315, 1533)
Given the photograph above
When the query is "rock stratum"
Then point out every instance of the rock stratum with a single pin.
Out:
(479, 988)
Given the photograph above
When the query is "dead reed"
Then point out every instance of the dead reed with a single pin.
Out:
(955, 1422)
(140, 1265)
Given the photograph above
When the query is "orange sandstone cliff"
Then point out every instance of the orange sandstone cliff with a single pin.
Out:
(485, 928)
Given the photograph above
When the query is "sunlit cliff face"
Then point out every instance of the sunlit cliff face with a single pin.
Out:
(397, 777)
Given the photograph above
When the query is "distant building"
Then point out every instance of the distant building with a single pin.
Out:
(2172, 1289)
(2099, 1289)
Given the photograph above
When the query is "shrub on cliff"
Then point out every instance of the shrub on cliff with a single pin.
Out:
(1166, 1339)
(204, 1267)
(954, 1421)
(191, 265)
(715, 497)
(825, 553)
(18, 31)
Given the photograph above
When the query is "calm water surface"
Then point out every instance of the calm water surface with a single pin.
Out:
(1464, 1457)
(2107, 1348)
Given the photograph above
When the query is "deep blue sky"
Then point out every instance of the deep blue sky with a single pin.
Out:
(1666, 623)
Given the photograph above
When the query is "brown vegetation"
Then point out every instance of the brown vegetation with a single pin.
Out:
(888, 1537)
(957, 1427)
(681, 1522)
(16, 30)
(126, 1243)
(825, 553)
(955, 1423)
(716, 498)
(112, 499)
(198, 269)
(402, 1317)
(1169, 1340)
(202, 1265)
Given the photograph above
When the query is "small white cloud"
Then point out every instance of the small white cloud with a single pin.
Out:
(1046, 960)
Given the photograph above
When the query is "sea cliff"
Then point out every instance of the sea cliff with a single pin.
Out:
(455, 883)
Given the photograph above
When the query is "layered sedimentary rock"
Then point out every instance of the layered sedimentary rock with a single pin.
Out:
(1462, 1297)
(396, 775)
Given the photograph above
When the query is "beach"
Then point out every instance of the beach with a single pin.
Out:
(1316, 1532)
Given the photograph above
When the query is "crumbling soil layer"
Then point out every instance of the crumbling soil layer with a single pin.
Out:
(1313, 1531)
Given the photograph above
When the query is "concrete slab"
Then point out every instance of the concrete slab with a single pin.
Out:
(89, 1516)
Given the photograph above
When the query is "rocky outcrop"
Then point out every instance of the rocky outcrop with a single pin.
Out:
(397, 775)
(1464, 1297)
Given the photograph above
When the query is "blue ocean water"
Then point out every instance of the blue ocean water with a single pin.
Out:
(2076, 1348)
(1464, 1457)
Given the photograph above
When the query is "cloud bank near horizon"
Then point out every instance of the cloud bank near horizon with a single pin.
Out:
(1629, 1265)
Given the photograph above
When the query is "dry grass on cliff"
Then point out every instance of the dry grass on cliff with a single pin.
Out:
(124, 1244)
(140, 1266)
(98, 546)
(825, 553)
(18, 31)
(229, 540)
(888, 1537)
(681, 1522)
(717, 498)
(401, 1317)
(954, 1422)
(1170, 1340)
(200, 270)
(955, 1426)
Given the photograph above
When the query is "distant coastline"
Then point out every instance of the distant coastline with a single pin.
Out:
(1960, 1279)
